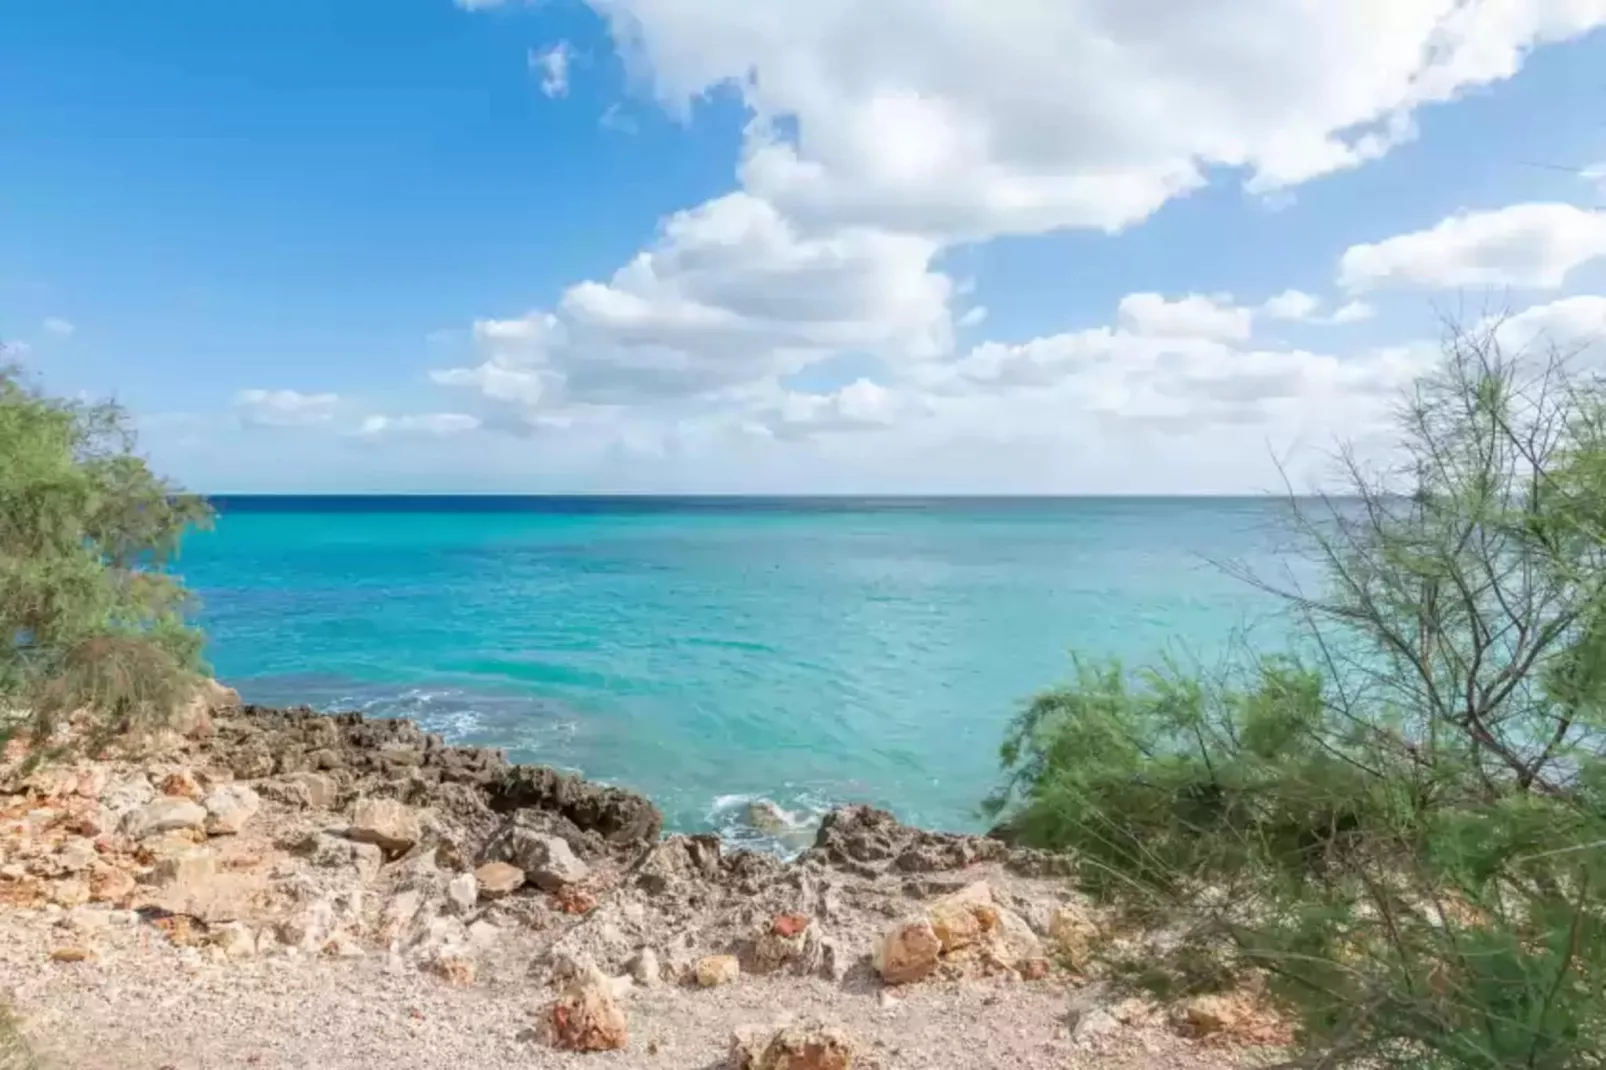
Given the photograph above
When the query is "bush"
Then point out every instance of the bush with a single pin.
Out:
(1403, 821)
(90, 618)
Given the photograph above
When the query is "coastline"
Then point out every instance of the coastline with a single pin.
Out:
(269, 850)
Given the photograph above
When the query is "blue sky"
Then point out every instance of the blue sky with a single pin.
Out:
(731, 245)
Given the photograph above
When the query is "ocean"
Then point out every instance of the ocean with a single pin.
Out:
(712, 651)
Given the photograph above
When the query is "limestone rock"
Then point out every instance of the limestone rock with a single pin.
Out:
(908, 951)
(967, 917)
(167, 814)
(1074, 934)
(108, 884)
(463, 891)
(312, 791)
(70, 893)
(182, 782)
(391, 825)
(646, 969)
(712, 971)
(765, 816)
(228, 808)
(586, 1017)
(497, 879)
(192, 868)
(677, 862)
(333, 852)
(807, 1045)
(235, 939)
(618, 816)
(546, 861)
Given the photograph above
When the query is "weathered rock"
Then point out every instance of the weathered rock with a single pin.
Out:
(108, 884)
(463, 891)
(70, 893)
(167, 814)
(712, 971)
(646, 969)
(312, 791)
(545, 861)
(908, 951)
(586, 1017)
(497, 879)
(967, 917)
(192, 868)
(128, 792)
(182, 783)
(807, 1045)
(765, 816)
(235, 939)
(1074, 933)
(77, 856)
(677, 862)
(228, 808)
(618, 816)
(392, 826)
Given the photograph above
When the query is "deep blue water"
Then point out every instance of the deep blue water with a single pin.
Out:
(714, 649)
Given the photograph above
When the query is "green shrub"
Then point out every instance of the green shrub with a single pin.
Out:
(90, 618)
(1402, 823)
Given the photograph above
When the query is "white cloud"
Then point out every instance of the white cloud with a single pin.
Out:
(958, 118)
(552, 64)
(1595, 174)
(730, 296)
(1524, 245)
(439, 424)
(1352, 312)
(1568, 325)
(1193, 316)
(1291, 305)
(57, 327)
(285, 408)
(478, 5)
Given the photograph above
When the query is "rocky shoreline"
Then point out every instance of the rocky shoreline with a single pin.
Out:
(258, 839)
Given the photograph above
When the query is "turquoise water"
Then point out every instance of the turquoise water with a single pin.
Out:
(707, 652)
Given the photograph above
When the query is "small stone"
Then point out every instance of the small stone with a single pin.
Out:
(391, 825)
(182, 783)
(167, 814)
(455, 967)
(228, 808)
(907, 952)
(586, 1017)
(712, 971)
(192, 868)
(646, 969)
(807, 1045)
(497, 879)
(482, 934)
(77, 855)
(888, 1000)
(463, 891)
(315, 791)
(1033, 969)
(789, 924)
(235, 939)
(72, 954)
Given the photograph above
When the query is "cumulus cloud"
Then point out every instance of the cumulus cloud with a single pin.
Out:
(1192, 316)
(730, 295)
(1524, 245)
(1296, 306)
(954, 118)
(552, 64)
(57, 327)
(1570, 325)
(285, 408)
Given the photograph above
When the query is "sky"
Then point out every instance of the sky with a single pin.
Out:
(763, 246)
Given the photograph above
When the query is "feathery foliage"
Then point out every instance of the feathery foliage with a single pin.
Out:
(89, 617)
(1402, 822)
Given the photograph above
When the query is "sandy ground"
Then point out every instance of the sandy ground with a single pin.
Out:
(147, 1008)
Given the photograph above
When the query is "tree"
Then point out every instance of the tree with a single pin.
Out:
(90, 618)
(1402, 820)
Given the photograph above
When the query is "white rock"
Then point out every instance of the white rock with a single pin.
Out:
(228, 808)
(392, 825)
(463, 891)
(645, 968)
(167, 814)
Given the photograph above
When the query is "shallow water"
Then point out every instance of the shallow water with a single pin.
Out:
(709, 652)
